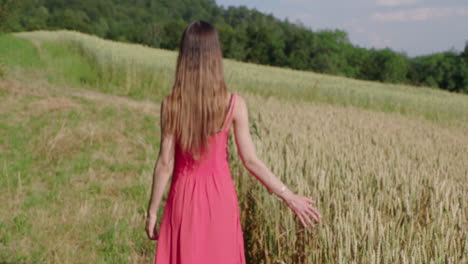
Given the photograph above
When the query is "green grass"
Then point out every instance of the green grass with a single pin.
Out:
(18, 52)
(62, 64)
(68, 65)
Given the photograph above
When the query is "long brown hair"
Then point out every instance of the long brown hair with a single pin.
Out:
(196, 107)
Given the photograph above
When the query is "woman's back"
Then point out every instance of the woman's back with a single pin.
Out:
(216, 154)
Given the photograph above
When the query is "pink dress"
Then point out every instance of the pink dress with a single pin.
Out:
(201, 220)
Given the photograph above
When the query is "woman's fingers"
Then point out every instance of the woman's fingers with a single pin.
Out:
(304, 210)
(148, 233)
(310, 200)
(310, 210)
(313, 214)
(315, 211)
(155, 232)
(306, 216)
(302, 220)
(150, 228)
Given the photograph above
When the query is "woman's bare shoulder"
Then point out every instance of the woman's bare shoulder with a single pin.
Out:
(240, 107)
(240, 100)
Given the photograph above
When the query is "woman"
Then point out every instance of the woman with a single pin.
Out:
(201, 223)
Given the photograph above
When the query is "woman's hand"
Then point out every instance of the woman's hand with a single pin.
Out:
(302, 207)
(151, 231)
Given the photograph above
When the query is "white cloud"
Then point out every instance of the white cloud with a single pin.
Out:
(397, 2)
(461, 11)
(419, 14)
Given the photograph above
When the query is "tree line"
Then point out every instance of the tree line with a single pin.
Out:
(246, 35)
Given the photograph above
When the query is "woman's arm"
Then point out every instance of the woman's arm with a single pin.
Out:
(163, 168)
(301, 205)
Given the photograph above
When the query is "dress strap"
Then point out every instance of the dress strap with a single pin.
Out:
(232, 102)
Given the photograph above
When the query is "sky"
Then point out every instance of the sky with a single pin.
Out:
(414, 27)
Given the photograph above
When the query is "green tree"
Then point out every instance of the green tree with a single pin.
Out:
(327, 51)
(297, 48)
(8, 12)
(172, 32)
(465, 52)
(70, 19)
(386, 66)
(258, 49)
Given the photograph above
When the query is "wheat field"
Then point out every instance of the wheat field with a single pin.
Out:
(143, 72)
(387, 164)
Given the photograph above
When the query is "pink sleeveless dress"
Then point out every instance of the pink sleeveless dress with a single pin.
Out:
(201, 220)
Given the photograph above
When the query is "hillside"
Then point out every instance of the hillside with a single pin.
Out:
(246, 35)
(142, 72)
(79, 136)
